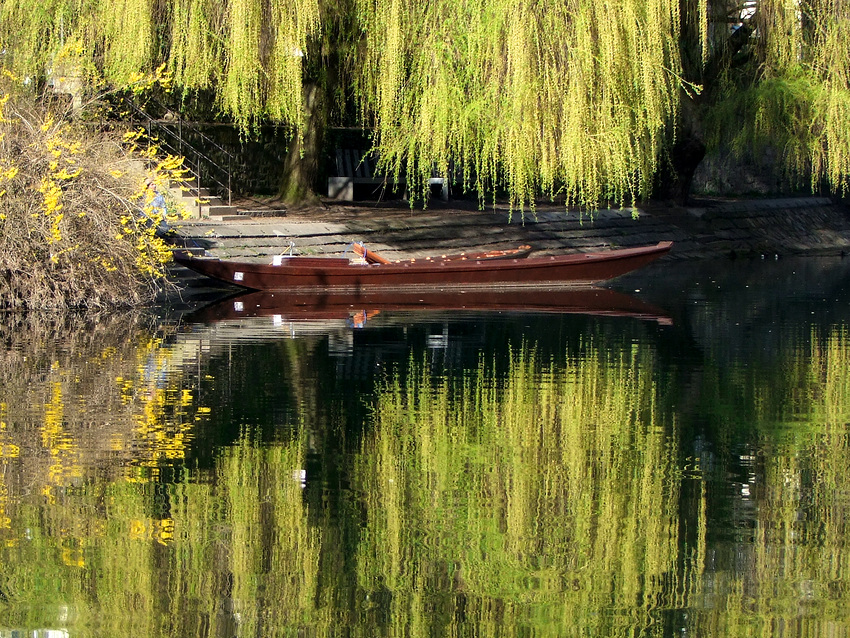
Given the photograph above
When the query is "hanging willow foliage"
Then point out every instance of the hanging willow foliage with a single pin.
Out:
(831, 148)
(126, 32)
(570, 98)
(793, 94)
(249, 51)
(563, 96)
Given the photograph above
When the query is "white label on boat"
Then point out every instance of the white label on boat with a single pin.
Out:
(277, 321)
(237, 276)
(277, 260)
(238, 306)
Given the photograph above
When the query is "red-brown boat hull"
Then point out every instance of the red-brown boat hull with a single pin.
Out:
(324, 274)
(298, 306)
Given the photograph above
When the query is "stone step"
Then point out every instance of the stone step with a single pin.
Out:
(222, 213)
(219, 209)
(204, 201)
(201, 192)
(189, 187)
(182, 190)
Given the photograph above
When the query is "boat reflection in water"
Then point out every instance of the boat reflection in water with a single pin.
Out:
(355, 310)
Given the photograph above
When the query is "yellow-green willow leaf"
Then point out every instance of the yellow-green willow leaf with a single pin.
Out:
(560, 96)
(127, 32)
(577, 99)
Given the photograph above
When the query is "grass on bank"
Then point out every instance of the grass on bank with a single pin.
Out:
(77, 224)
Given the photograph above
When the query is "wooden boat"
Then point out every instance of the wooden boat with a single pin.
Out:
(372, 257)
(359, 307)
(305, 273)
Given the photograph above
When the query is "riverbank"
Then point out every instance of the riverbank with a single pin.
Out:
(709, 229)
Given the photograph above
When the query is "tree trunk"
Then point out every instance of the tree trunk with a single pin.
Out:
(302, 167)
(673, 182)
(674, 179)
(675, 175)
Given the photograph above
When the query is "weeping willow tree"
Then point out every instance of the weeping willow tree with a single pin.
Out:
(564, 97)
(587, 101)
(775, 79)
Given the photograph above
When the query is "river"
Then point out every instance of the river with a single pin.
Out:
(672, 458)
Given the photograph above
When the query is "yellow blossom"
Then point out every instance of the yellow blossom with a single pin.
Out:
(130, 136)
(64, 174)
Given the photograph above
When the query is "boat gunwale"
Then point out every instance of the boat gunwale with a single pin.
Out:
(312, 264)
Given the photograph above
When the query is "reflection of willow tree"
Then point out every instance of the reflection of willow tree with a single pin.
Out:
(539, 497)
(236, 552)
(89, 392)
(265, 383)
(536, 496)
(83, 400)
(796, 549)
(246, 552)
(549, 498)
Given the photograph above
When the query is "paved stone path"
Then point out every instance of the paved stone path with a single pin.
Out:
(805, 225)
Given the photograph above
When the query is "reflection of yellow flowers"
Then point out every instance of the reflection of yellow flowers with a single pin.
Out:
(62, 448)
(9, 451)
(73, 557)
(166, 531)
(5, 521)
(161, 430)
(137, 529)
(160, 530)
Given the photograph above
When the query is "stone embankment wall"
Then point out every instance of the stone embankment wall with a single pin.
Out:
(255, 164)
(793, 226)
(789, 226)
(256, 161)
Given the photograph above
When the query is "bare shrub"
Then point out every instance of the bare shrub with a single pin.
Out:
(77, 224)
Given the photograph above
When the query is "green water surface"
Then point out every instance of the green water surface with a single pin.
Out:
(436, 474)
